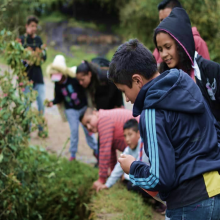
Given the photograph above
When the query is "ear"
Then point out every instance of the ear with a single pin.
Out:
(90, 74)
(138, 80)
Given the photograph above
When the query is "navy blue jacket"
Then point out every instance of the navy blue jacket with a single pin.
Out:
(179, 133)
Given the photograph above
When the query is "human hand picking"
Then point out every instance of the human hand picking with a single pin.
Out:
(50, 104)
(126, 161)
(96, 184)
(101, 187)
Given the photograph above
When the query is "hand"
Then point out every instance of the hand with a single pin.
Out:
(126, 161)
(96, 184)
(50, 104)
(101, 187)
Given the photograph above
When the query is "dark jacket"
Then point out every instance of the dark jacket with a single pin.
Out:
(71, 93)
(34, 72)
(180, 135)
(178, 25)
(103, 92)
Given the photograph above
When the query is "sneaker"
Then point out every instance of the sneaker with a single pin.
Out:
(72, 158)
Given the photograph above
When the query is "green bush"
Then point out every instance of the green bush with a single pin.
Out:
(46, 187)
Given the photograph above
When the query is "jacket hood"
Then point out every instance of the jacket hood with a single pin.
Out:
(173, 90)
(178, 26)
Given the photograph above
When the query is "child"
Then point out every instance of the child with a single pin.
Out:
(174, 41)
(68, 91)
(164, 9)
(101, 93)
(178, 131)
(109, 125)
(134, 148)
(34, 71)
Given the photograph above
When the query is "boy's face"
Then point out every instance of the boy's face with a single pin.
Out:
(130, 93)
(164, 13)
(131, 138)
(91, 122)
(31, 28)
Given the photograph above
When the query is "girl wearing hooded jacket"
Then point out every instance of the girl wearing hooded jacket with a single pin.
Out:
(174, 40)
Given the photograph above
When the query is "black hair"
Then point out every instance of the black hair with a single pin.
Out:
(131, 124)
(169, 4)
(130, 58)
(32, 18)
(88, 111)
(184, 60)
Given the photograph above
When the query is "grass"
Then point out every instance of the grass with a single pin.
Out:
(118, 203)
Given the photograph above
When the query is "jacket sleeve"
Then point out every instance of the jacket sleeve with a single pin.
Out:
(58, 95)
(117, 172)
(106, 132)
(44, 57)
(160, 175)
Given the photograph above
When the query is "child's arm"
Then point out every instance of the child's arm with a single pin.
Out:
(160, 176)
(116, 173)
(44, 53)
(58, 95)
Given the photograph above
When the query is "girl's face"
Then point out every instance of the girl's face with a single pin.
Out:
(84, 80)
(167, 48)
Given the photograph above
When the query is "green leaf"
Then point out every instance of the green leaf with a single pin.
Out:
(1, 157)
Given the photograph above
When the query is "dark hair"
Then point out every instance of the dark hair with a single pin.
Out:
(184, 60)
(88, 111)
(32, 18)
(169, 4)
(130, 58)
(87, 67)
(132, 123)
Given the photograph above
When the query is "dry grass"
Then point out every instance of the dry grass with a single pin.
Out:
(118, 203)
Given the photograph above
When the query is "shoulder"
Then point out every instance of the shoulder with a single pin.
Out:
(127, 150)
(22, 37)
(208, 66)
(38, 38)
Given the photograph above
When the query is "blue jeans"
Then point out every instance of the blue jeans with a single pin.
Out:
(40, 88)
(73, 116)
(208, 209)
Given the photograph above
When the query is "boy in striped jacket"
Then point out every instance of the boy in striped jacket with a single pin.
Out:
(109, 125)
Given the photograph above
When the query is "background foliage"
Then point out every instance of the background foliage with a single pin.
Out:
(128, 18)
(33, 184)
